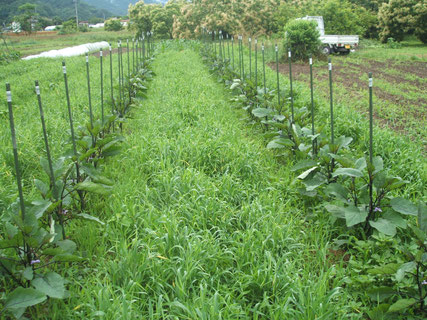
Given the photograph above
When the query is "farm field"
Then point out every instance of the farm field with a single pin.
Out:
(204, 222)
(45, 41)
(400, 77)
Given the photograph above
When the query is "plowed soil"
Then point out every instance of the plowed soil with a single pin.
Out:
(353, 77)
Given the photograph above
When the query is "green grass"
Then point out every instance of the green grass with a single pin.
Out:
(27, 118)
(203, 221)
(202, 224)
(37, 43)
(411, 50)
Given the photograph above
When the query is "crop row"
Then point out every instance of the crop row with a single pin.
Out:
(33, 236)
(334, 178)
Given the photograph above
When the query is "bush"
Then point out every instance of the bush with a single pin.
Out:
(83, 28)
(302, 37)
(7, 56)
(113, 25)
(68, 27)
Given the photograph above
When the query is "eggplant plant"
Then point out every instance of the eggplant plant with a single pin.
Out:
(27, 249)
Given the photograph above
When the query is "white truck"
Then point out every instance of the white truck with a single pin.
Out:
(333, 43)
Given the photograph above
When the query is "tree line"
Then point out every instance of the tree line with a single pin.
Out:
(377, 19)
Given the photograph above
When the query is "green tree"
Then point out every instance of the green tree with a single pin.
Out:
(141, 17)
(302, 37)
(421, 21)
(342, 17)
(398, 18)
(68, 27)
(113, 25)
(163, 17)
(27, 17)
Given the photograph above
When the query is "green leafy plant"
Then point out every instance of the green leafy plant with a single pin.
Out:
(302, 37)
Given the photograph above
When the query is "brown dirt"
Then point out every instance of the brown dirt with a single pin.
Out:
(349, 75)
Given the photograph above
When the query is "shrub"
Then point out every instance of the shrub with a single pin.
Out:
(113, 25)
(83, 28)
(7, 56)
(302, 37)
(68, 27)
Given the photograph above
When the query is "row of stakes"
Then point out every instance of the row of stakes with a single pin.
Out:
(225, 56)
(141, 48)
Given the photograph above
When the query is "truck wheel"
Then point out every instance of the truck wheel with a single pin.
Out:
(326, 50)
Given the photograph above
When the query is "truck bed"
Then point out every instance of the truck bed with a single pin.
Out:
(334, 39)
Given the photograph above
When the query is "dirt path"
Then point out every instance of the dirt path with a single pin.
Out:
(401, 85)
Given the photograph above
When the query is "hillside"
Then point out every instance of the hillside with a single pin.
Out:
(63, 9)
(118, 6)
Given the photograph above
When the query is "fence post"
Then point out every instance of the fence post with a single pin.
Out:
(256, 65)
(133, 55)
(290, 83)
(263, 66)
(17, 168)
(120, 84)
(90, 98)
(331, 99)
(73, 137)
(15, 153)
(278, 82)
(228, 48)
(243, 61)
(314, 142)
(232, 49)
(49, 157)
(250, 57)
(371, 139)
(102, 86)
(128, 54)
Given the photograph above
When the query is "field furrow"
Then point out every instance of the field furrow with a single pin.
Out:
(203, 222)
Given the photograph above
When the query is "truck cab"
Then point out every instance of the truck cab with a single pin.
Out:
(342, 44)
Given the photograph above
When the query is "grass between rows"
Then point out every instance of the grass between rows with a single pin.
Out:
(203, 222)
